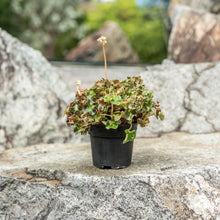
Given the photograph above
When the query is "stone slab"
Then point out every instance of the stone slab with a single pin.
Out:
(189, 95)
(176, 176)
(170, 153)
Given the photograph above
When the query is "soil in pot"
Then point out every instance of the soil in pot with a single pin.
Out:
(108, 150)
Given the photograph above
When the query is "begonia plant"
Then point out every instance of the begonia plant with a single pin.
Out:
(110, 103)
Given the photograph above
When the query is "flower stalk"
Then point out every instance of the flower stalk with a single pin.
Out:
(103, 41)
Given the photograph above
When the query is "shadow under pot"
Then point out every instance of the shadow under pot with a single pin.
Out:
(108, 150)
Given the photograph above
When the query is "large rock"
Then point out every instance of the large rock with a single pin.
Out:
(31, 97)
(118, 48)
(167, 180)
(194, 37)
(212, 6)
(189, 96)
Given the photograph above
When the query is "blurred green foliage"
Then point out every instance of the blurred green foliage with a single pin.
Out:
(52, 26)
(143, 27)
(8, 20)
(55, 26)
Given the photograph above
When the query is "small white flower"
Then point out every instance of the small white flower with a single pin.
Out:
(102, 40)
(78, 83)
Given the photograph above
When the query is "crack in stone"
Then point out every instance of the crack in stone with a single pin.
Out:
(185, 105)
(208, 67)
(9, 138)
(199, 91)
(59, 109)
(43, 214)
(212, 125)
(188, 90)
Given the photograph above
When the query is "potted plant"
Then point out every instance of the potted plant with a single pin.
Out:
(110, 111)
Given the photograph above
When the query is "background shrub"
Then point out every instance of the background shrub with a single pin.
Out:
(143, 27)
(55, 27)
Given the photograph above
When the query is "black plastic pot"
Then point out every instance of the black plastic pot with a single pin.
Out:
(108, 150)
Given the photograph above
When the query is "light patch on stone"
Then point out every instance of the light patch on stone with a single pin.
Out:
(196, 124)
(201, 197)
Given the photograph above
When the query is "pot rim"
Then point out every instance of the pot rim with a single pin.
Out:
(101, 131)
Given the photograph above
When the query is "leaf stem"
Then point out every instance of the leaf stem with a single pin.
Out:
(106, 115)
(130, 126)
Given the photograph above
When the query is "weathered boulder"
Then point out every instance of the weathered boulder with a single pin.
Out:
(167, 180)
(195, 36)
(118, 48)
(212, 6)
(32, 97)
(189, 95)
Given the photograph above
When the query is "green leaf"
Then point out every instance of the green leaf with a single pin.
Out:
(161, 116)
(150, 95)
(77, 129)
(95, 118)
(130, 136)
(111, 124)
(64, 112)
(117, 117)
(128, 115)
(108, 98)
(116, 100)
(154, 111)
(113, 99)
(89, 108)
(91, 94)
(76, 108)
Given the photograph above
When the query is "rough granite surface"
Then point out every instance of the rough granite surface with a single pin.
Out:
(176, 176)
(189, 95)
(32, 97)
